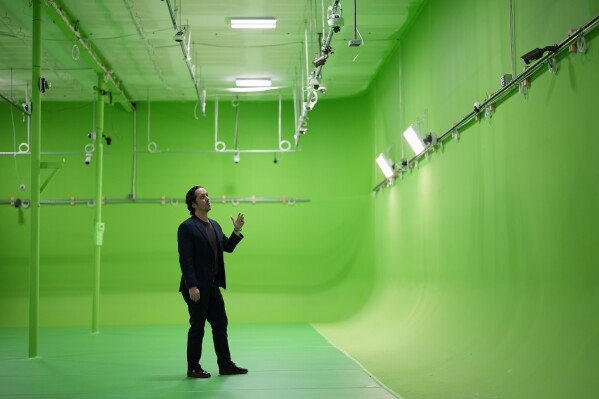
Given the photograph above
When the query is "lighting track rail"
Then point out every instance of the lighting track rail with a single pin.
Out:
(66, 22)
(335, 22)
(494, 99)
(183, 37)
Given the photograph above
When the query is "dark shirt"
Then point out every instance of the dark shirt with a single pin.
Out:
(212, 240)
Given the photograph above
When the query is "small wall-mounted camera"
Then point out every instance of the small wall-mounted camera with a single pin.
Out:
(88, 158)
(44, 85)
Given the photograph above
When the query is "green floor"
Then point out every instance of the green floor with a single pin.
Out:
(285, 362)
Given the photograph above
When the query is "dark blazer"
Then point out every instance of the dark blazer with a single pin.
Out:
(196, 256)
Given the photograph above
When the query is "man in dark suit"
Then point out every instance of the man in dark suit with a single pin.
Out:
(201, 244)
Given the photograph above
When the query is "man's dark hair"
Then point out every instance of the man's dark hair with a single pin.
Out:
(190, 198)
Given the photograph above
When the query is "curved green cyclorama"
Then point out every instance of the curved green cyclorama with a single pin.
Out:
(474, 275)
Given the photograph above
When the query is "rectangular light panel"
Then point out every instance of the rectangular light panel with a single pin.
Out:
(413, 139)
(253, 23)
(383, 163)
(253, 82)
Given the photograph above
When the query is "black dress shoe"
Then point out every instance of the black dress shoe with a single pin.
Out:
(198, 373)
(232, 369)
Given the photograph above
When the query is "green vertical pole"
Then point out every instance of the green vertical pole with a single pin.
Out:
(98, 226)
(35, 148)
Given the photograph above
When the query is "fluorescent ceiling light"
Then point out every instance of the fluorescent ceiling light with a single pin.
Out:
(250, 89)
(413, 139)
(385, 165)
(253, 82)
(253, 23)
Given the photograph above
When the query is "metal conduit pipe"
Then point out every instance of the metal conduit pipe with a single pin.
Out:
(499, 95)
(60, 10)
(190, 66)
(36, 138)
(91, 202)
(134, 175)
(98, 225)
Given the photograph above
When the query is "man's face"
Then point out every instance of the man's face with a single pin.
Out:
(202, 201)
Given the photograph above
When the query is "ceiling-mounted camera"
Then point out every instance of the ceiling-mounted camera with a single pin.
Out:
(180, 35)
(335, 20)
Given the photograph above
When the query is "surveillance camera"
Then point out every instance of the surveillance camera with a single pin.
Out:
(91, 135)
(22, 187)
(236, 158)
(88, 158)
(322, 88)
(335, 21)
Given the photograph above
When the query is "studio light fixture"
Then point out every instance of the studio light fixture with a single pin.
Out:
(250, 89)
(414, 140)
(318, 61)
(431, 139)
(253, 22)
(386, 165)
(253, 82)
(537, 53)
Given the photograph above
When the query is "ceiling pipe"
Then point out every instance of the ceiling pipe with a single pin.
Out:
(20, 108)
(36, 139)
(70, 25)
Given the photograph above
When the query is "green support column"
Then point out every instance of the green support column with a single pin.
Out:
(98, 226)
(35, 148)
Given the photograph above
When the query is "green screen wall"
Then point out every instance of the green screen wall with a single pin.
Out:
(474, 276)
(295, 259)
(486, 254)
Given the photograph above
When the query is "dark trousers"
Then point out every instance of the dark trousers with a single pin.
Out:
(211, 307)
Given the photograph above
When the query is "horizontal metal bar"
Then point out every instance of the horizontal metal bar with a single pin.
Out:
(164, 200)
